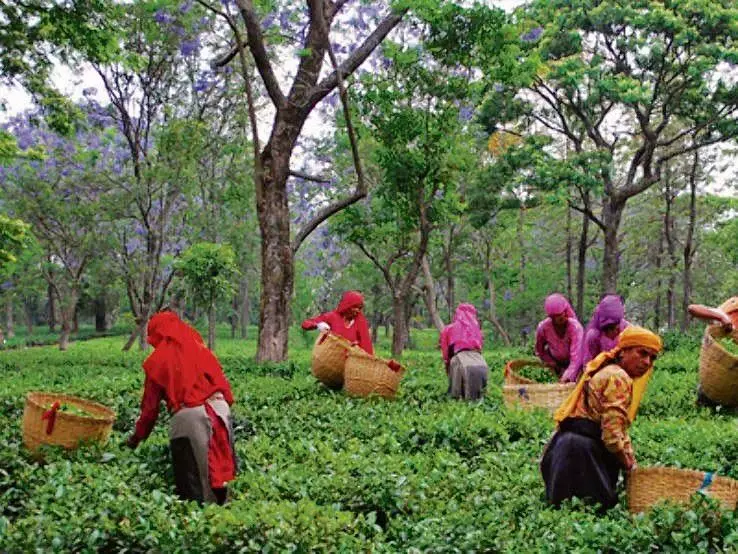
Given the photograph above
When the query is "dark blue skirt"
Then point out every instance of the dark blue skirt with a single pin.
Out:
(576, 464)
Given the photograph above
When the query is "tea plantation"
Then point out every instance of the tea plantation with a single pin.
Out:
(324, 472)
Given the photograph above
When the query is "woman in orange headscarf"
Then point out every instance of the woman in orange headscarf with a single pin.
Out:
(591, 444)
(186, 374)
(346, 320)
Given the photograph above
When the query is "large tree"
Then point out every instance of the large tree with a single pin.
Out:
(629, 82)
(309, 84)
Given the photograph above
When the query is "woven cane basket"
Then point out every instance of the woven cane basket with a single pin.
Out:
(718, 369)
(329, 359)
(511, 368)
(68, 429)
(528, 394)
(367, 375)
(648, 485)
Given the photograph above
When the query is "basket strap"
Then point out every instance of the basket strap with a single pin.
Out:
(706, 482)
(50, 415)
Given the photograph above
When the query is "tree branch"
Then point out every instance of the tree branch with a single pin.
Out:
(301, 175)
(589, 213)
(324, 214)
(356, 58)
(255, 40)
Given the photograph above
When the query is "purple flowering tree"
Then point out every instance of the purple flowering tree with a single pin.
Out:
(306, 85)
(150, 98)
(62, 197)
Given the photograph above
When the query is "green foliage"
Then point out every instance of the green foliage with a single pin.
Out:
(324, 472)
(14, 233)
(209, 270)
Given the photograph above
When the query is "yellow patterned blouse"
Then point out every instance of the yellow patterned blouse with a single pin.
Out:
(606, 401)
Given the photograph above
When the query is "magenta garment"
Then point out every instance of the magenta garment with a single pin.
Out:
(556, 304)
(463, 334)
(562, 354)
(610, 310)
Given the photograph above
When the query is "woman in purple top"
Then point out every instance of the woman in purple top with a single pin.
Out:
(559, 339)
(603, 330)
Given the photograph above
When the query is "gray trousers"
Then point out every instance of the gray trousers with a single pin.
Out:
(467, 375)
(189, 438)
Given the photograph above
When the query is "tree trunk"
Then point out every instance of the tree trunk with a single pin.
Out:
(52, 308)
(493, 295)
(582, 257)
(277, 263)
(28, 310)
(450, 281)
(612, 212)
(671, 251)
(67, 311)
(244, 319)
(689, 247)
(430, 297)
(9, 321)
(234, 317)
(211, 326)
(521, 243)
(135, 334)
(101, 314)
(569, 241)
(399, 321)
(659, 262)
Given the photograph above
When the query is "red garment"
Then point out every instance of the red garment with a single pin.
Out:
(221, 465)
(185, 373)
(357, 332)
(182, 365)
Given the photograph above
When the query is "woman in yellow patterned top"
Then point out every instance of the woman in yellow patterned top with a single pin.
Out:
(591, 444)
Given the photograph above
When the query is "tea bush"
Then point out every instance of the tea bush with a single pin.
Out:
(320, 471)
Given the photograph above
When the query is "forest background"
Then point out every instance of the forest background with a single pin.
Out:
(456, 153)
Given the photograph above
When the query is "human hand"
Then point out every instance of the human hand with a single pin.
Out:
(132, 442)
(323, 326)
(568, 377)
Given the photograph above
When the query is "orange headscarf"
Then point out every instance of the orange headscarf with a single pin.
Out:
(630, 337)
(181, 364)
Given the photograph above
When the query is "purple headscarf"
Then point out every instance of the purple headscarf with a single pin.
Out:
(610, 311)
(557, 303)
(463, 334)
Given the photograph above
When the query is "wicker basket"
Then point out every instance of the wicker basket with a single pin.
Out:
(329, 359)
(648, 485)
(718, 369)
(68, 429)
(511, 368)
(526, 393)
(367, 375)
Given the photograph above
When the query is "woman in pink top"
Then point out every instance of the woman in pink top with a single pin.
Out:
(559, 339)
(461, 349)
(603, 330)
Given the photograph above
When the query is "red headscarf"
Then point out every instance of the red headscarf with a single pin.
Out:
(181, 364)
(350, 299)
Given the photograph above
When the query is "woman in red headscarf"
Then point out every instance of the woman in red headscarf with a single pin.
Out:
(346, 320)
(186, 374)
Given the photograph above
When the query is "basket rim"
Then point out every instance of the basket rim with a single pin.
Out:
(711, 332)
(684, 472)
(539, 386)
(32, 398)
(330, 335)
(361, 353)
